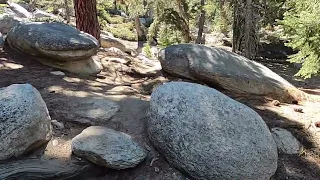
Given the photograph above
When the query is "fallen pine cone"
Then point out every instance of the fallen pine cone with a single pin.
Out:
(294, 102)
(296, 109)
(276, 103)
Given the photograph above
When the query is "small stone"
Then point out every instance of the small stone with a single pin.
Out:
(153, 160)
(286, 142)
(297, 109)
(148, 148)
(156, 169)
(107, 147)
(276, 103)
(58, 73)
(317, 124)
(55, 142)
(294, 102)
(57, 124)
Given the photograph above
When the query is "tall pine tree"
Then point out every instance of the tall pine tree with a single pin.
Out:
(86, 17)
(302, 27)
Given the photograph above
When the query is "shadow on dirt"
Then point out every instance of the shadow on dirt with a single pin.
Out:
(15, 68)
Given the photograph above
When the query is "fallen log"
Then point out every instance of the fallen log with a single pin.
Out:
(42, 169)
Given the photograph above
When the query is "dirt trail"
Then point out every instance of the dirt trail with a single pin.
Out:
(61, 92)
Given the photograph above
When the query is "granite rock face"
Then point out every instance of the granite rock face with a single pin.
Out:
(233, 72)
(25, 122)
(57, 45)
(107, 147)
(208, 135)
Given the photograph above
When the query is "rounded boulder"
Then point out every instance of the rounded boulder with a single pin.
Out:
(24, 120)
(56, 41)
(209, 135)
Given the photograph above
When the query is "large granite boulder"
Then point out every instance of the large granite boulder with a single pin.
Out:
(56, 45)
(209, 135)
(7, 22)
(24, 120)
(107, 147)
(19, 10)
(108, 42)
(42, 14)
(226, 69)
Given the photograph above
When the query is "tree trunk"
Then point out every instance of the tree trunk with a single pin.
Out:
(201, 23)
(115, 4)
(32, 4)
(86, 17)
(236, 40)
(183, 12)
(249, 31)
(67, 11)
(140, 33)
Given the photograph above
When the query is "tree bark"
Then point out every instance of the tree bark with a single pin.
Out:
(86, 17)
(67, 11)
(32, 4)
(183, 12)
(249, 31)
(236, 40)
(140, 32)
(201, 23)
(115, 4)
(44, 169)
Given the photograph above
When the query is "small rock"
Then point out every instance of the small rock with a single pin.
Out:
(286, 142)
(317, 124)
(94, 109)
(55, 142)
(156, 169)
(297, 109)
(276, 103)
(107, 147)
(108, 42)
(57, 124)
(148, 148)
(121, 90)
(295, 102)
(58, 73)
(153, 160)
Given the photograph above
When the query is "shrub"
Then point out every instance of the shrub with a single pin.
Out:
(147, 50)
(302, 27)
(123, 31)
(168, 36)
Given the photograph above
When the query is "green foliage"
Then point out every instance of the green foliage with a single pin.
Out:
(104, 4)
(2, 7)
(167, 36)
(147, 50)
(223, 17)
(104, 15)
(273, 10)
(302, 26)
(122, 31)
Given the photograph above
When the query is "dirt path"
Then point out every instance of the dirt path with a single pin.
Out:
(62, 92)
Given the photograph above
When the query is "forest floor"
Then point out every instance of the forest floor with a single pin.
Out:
(132, 93)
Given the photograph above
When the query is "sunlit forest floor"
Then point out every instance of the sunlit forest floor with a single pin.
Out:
(132, 93)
